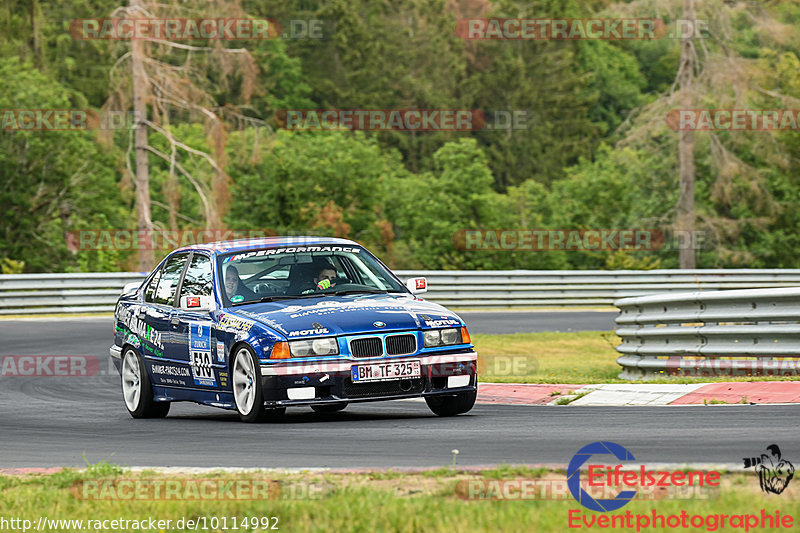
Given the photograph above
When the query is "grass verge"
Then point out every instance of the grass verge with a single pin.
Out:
(579, 357)
(381, 501)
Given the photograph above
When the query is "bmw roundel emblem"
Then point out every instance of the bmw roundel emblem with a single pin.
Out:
(379, 324)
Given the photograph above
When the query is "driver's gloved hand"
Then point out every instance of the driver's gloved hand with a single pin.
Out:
(324, 284)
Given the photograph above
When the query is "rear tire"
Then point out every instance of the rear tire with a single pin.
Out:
(137, 390)
(451, 405)
(329, 407)
(247, 392)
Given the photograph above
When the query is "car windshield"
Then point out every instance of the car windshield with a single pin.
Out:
(303, 272)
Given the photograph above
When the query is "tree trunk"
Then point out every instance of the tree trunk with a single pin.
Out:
(35, 44)
(140, 88)
(686, 213)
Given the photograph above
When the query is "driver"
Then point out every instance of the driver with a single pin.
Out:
(325, 278)
(235, 289)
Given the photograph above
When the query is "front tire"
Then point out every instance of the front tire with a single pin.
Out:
(452, 405)
(247, 391)
(137, 390)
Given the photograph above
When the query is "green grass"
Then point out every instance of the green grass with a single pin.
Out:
(580, 357)
(505, 471)
(364, 502)
(583, 357)
(566, 400)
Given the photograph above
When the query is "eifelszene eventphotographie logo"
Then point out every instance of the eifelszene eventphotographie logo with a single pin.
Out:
(633, 478)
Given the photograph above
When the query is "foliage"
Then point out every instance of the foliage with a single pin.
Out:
(52, 182)
(314, 182)
(595, 152)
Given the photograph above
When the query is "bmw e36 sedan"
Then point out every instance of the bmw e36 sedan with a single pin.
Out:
(257, 326)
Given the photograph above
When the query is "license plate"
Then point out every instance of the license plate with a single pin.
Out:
(385, 371)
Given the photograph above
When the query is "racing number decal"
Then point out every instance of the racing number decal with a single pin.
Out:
(201, 365)
(200, 354)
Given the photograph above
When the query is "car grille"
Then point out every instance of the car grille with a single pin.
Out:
(366, 347)
(401, 344)
(383, 388)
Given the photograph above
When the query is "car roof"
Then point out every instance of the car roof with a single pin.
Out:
(224, 247)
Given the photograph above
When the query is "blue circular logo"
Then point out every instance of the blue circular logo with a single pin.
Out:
(574, 476)
(379, 324)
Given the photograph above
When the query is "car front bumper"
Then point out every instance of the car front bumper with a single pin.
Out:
(319, 383)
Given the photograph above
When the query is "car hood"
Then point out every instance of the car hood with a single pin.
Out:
(346, 315)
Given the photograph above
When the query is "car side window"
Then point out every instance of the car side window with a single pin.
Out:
(197, 281)
(168, 283)
(150, 291)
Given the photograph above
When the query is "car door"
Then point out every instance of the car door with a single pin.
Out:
(194, 328)
(164, 362)
(132, 326)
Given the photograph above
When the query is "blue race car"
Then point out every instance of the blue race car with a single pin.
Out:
(261, 325)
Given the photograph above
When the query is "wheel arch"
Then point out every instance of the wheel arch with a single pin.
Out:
(232, 355)
(125, 346)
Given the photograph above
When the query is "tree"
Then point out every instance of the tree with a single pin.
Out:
(172, 81)
(686, 214)
(728, 172)
(52, 182)
(139, 82)
(330, 183)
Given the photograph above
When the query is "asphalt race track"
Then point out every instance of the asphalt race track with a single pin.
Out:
(51, 421)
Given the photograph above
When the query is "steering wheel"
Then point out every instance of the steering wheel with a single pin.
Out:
(264, 287)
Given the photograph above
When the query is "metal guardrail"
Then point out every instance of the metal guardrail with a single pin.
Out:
(593, 288)
(97, 292)
(32, 294)
(728, 333)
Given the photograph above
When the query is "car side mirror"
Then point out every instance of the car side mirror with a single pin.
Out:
(133, 286)
(417, 285)
(197, 303)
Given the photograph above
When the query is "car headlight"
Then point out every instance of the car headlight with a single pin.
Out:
(441, 337)
(306, 348)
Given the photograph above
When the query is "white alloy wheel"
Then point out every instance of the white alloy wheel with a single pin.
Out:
(244, 382)
(131, 381)
(137, 391)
